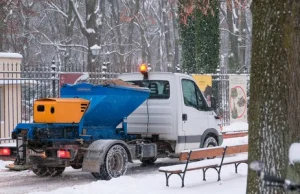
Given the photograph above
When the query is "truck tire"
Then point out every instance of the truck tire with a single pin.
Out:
(55, 171)
(76, 166)
(77, 162)
(148, 161)
(40, 171)
(115, 163)
(210, 142)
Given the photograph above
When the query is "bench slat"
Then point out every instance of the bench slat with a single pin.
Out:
(236, 149)
(199, 154)
(192, 165)
(235, 159)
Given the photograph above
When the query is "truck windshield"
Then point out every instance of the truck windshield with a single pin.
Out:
(160, 89)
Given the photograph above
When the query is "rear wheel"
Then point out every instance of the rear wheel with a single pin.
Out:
(40, 171)
(76, 166)
(48, 171)
(115, 163)
(148, 161)
(77, 163)
(55, 171)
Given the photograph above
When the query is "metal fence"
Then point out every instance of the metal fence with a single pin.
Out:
(220, 87)
(19, 87)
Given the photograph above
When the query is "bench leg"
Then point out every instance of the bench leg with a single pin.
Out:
(217, 169)
(182, 179)
(236, 166)
(204, 171)
(219, 172)
(179, 174)
(167, 178)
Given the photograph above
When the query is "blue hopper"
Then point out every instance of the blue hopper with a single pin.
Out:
(109, 104)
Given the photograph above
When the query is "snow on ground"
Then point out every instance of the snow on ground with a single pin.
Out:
(3, 163)
(235, 127)
(235, 141)
(154, 182)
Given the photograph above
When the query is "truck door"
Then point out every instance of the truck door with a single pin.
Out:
(194, 115)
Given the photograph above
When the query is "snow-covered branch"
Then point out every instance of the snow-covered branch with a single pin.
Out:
(81, 23)
(56, 8)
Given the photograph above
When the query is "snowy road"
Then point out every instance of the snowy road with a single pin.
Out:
(138, 180)
(26, 181)
(12, 182)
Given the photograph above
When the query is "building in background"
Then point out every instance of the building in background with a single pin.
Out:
(10, 92)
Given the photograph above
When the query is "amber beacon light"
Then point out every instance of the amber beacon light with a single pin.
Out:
(144, 70)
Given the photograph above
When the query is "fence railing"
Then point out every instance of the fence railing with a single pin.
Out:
(20, 88)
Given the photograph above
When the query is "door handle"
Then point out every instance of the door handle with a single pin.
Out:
(184, 117)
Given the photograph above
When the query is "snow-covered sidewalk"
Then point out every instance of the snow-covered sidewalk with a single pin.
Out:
(155, 183)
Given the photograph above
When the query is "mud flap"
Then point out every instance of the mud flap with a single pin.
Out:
(96, 152)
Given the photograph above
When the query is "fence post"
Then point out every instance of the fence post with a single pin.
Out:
(104, 69)
(53, 70)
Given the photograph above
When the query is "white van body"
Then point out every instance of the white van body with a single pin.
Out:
(171, 118)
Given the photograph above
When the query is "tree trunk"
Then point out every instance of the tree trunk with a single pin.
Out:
(292, 44)
(175, 34)
(133, 13)
(88, 28)
(233, 60)
(274, 112)
(2, 29)
(69, 25)
(166, 30)
(91, 6)
(117, 25)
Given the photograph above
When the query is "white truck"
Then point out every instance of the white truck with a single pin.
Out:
(176, 116)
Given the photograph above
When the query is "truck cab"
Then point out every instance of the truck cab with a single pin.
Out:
(176, 115)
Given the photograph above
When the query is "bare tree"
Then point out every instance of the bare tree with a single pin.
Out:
(88, 26)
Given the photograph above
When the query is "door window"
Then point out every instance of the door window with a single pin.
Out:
(192, 95)
(159, 89)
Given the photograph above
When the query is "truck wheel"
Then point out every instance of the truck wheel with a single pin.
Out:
(77, 163)
(210, 142)
(55, 171)
(76, 166)
(148, 161)
(40, 171)
(115, 163)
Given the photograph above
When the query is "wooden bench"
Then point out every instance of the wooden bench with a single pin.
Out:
(222, 155)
